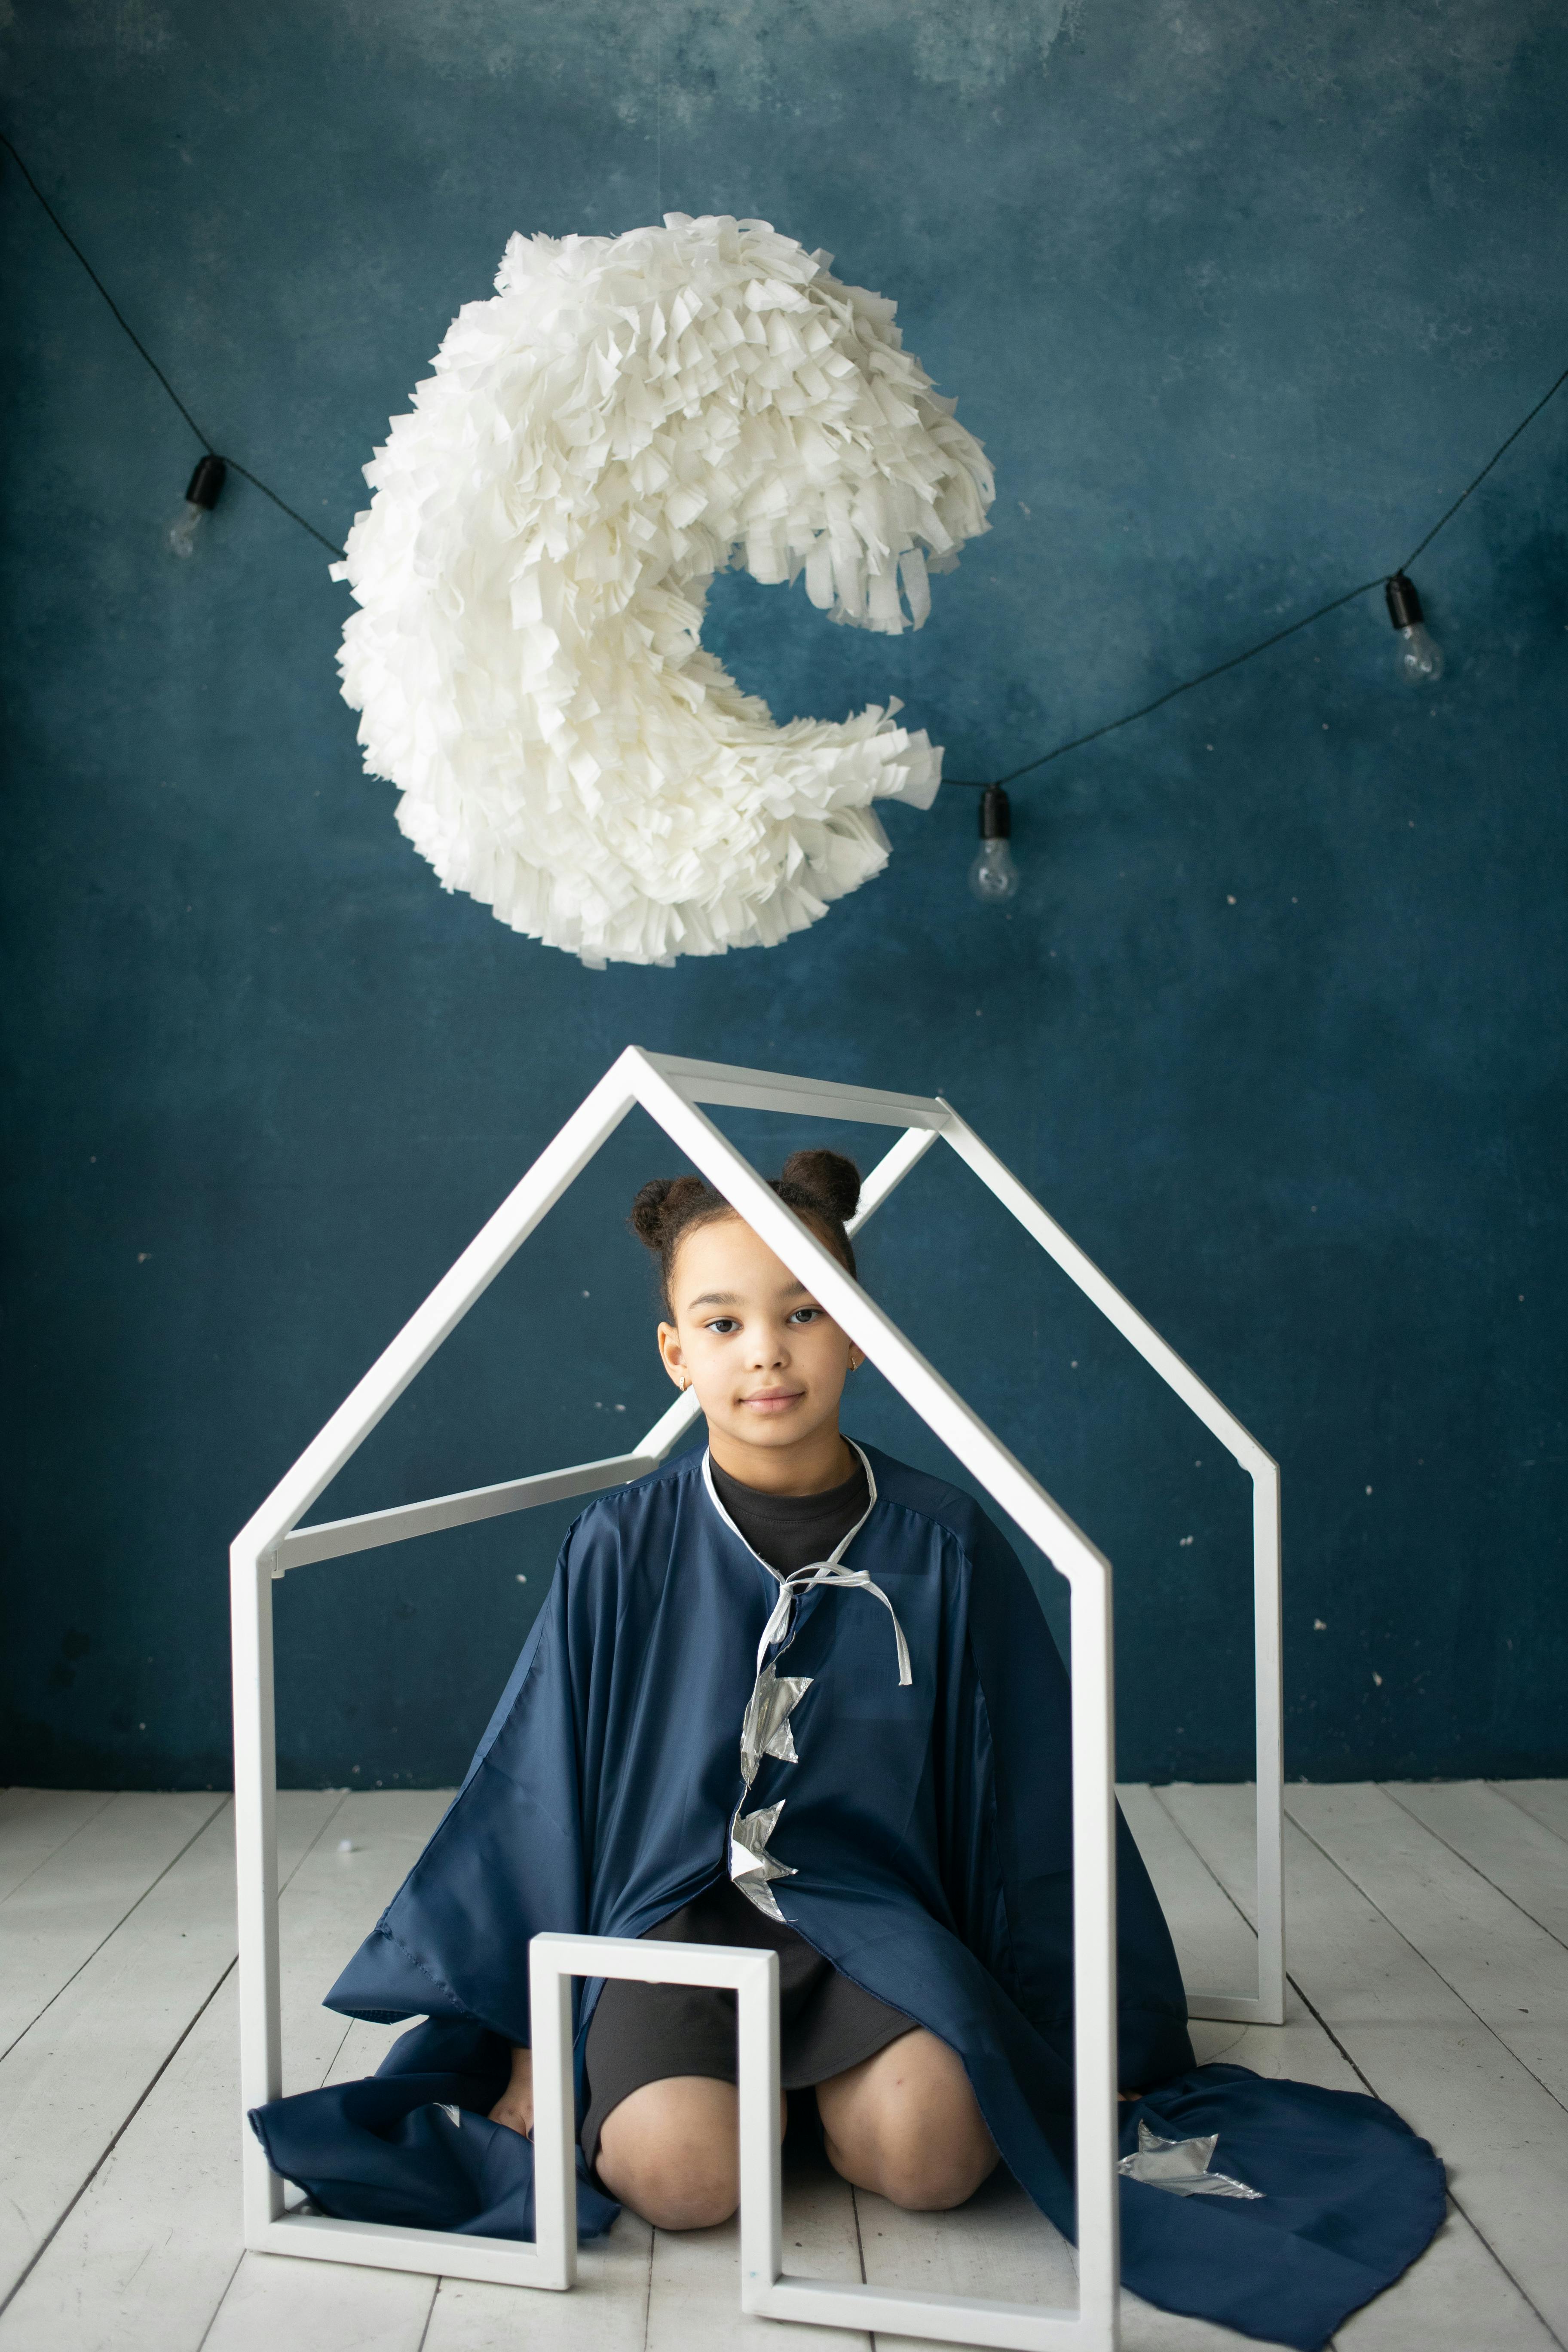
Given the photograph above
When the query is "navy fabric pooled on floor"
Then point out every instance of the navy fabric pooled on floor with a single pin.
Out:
(385, 2149)
(1350, 2197)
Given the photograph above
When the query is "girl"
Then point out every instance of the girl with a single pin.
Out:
(788, 1692)
(897, 2114)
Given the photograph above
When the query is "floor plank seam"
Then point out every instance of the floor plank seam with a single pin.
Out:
(223, 2298)
(860, 2241)
(1426, 1961)
(1250, 1924)
(1522, 2291)
(648, 2292)
(860, 2253)
(64, 2215)
(1391, 1790)
(109, 1938)
(1501, 1788)
(337, 2053)
(44, 1860)
(429, 2315)
(1325, 2028)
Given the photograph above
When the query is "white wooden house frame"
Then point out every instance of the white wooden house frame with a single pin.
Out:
(272, 1543)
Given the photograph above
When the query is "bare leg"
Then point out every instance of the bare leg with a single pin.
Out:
(672, 2151)
(904, 2124)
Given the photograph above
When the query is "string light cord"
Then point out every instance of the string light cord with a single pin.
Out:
(1185, 685)
(1443, 519)
(257, 484)
(125, 327)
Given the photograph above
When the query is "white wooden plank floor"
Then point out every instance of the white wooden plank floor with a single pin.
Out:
(1428, 1934)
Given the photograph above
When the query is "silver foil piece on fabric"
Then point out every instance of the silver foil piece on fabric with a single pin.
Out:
(750, 1864)
(765, 1727)
(761, 1900)
(765, 1731)
(1181, 2166)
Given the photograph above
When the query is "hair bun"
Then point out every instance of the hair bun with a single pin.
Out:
(659, 1206)
(827, 1177)
(821, 1185)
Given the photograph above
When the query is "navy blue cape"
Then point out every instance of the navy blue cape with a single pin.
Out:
(929, 1834)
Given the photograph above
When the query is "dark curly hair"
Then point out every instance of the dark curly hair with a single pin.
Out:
(823, 1187)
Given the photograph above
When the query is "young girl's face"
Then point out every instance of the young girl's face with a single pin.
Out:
(767, 1362)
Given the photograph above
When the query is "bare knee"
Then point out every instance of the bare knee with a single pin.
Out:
(905, 2125)
(671, 2152)
(926, 2179)
(692, 2193)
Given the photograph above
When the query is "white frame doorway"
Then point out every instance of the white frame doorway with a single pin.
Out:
(671, 1090)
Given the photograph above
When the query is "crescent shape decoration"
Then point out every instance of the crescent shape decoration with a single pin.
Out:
(625, 416)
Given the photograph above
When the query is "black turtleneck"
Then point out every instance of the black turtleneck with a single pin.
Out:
(791, 1531)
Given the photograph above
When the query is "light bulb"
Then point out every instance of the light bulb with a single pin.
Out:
(1420, 657)
(993, 876)
(183, 529)
(201, 497)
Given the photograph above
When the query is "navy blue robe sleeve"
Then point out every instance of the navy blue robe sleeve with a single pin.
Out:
(507, 1859)
(1007, 1836)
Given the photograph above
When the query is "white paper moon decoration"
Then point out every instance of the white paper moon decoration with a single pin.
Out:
(625, 417)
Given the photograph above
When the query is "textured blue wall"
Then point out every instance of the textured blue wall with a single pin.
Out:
(1236, 295)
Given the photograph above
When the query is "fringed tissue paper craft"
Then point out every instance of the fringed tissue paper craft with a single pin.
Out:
(625, 417)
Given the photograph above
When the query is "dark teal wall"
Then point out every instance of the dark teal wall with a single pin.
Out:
(1238, 295)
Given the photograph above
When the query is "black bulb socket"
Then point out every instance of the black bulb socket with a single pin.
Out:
(995, 814)
(205, 485)
(1404, 604)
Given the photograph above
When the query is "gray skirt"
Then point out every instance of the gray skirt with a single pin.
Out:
(644, 2032)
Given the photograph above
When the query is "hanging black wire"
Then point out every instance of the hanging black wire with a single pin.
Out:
(1443, 519)
(1171, 692)
(257, 484)
(1058, 751)
(1185, 685)
(140, 347)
